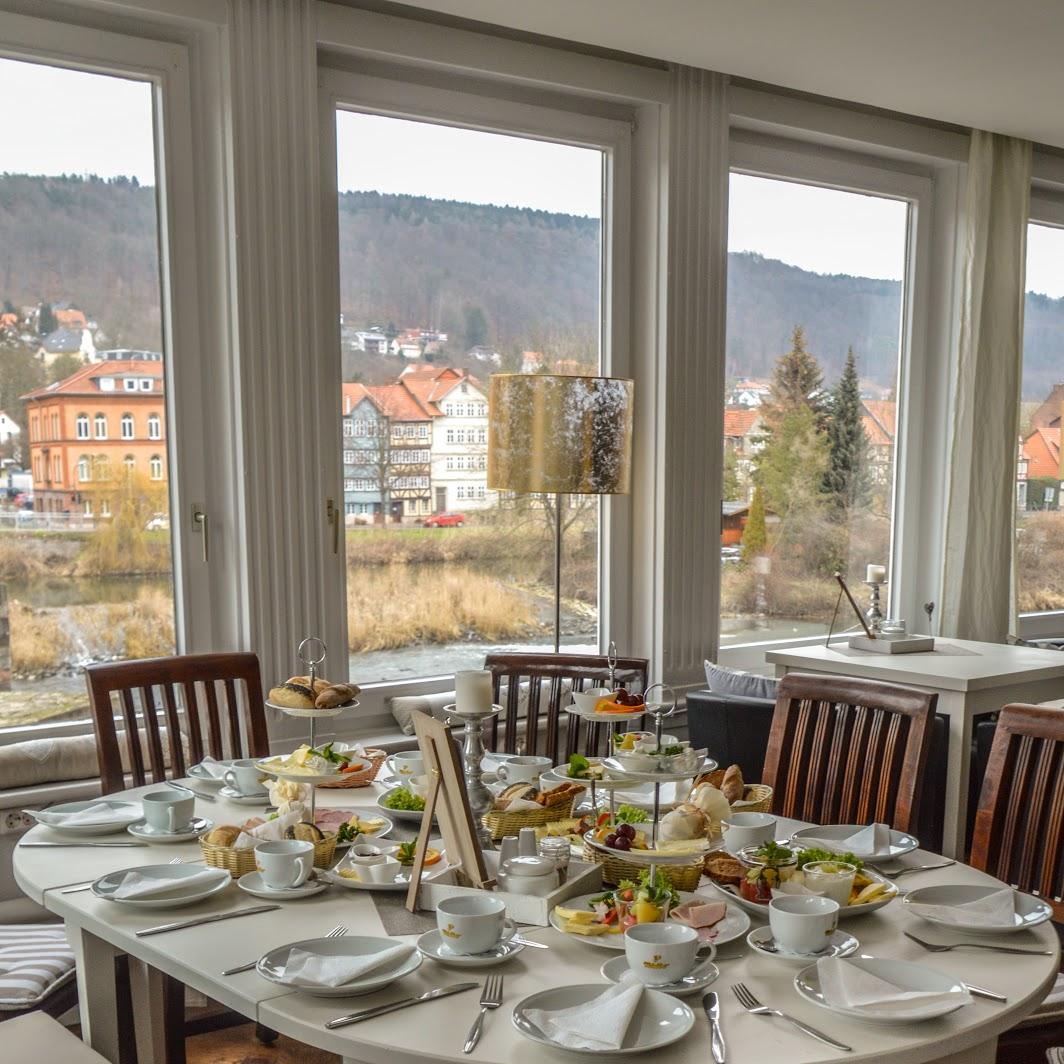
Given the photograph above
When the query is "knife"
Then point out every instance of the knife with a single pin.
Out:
(158, 930)
(64, 845)
(380, 1010)
(521, 941)
(716, 1035)
(978, 991)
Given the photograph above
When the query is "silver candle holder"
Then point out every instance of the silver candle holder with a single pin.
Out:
(481, 800)
(874, 614)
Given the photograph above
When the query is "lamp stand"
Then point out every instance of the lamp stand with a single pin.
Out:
(557, 571)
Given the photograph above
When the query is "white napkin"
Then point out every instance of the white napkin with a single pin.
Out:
(97, 813)
(215, 769)
(521, 805)
(600, 1023)
(134, 885)
(795, 889)
(271, 831)
(873, 839)
(992, 910)
(315, 969)
(846, 985)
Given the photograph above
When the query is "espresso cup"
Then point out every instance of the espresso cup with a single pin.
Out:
(524, 768)
(661, 953)
(473, 923)
(244, 778)
(168, 810)
(803, 923)
(285, 864)
(747, 829)
(407, 764)
(383, 871)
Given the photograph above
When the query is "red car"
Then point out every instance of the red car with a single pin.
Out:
(444, 520)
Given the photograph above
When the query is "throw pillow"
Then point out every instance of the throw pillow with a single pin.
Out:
(736, 684)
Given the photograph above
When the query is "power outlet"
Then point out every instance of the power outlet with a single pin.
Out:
(13, 821)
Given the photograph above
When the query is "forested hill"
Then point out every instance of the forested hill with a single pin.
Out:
(513, 278)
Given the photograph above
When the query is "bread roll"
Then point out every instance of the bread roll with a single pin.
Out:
(336, 694)
(225, 835)
(732, 788)
(292, 696)
(304, 681)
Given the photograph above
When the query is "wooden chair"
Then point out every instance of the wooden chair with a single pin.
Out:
(847, 751)
(193, 724)
(527, 675)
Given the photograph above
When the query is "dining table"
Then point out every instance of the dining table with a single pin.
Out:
(101, 931)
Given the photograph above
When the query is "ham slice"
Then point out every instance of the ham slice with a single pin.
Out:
(701, 915)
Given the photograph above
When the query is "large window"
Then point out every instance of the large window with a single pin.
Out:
(815, 298)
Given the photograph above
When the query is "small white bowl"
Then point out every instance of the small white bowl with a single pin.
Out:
(586, 700)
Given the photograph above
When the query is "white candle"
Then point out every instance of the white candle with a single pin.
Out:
(876, 574)
(472, 691)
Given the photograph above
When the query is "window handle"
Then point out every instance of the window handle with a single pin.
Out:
(201, 525)
(332, 515)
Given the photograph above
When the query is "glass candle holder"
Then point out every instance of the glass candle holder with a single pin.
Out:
(559, 851)
(833, 879)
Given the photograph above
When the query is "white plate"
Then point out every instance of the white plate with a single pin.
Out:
(252, 883)
(270, 766)
(761, 911)
(197, 826)
(900, 842)
(598, 718)
(734, 925)
(900, 973)
(659, 1019)
(271, 965)
(649, 857)
(700, 976)
(227, 792)
(335, 711)
(1029, 912)
(176, 899)
(399, 814)
(430, 945)
(201, 775)
(840, 944)
(401, 881)
(618, 771)
(124, 814)
(367, 836)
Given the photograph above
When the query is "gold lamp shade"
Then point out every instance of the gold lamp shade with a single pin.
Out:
(553, 433)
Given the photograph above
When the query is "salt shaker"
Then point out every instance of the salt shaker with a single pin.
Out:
(507, 849)
(526, 843)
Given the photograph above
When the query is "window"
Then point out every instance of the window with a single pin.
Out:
(84, 468)
(450, 435)
(155, 467)
(130, 463)
(154, 427)
(423, 431)
(450, 463)
(55, 426)
(101, 468)
(460, 492)
(127, 426)
(349, 484)
(349, 428)
(349, 457)
(146, 384)
(105, 507)
(57, 469)
(100, 426)
(81, 426)
(107, 384)
(87, 508)
(129, 384)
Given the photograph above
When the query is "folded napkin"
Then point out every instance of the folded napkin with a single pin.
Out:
(873, 839)
(846, 985)
(270, 831)
(304, 968)
(992, 910)
(599, 1024)
(134, 885)
(97, 813)
(215, 769)
(521, 805)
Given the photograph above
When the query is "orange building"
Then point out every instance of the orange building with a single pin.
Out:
(108, 416)
(1042, 451)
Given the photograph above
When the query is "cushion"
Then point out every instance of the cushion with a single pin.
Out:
(35, 959)
(724, 681)
(36, 1038)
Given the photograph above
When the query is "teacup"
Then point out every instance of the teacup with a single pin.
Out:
(523, 768)
(803, 923)
(244, 778)
(168, 810)
(382, 871)
(662, 953)
(285, 864)
(407, 764)
(747, 829)
(473, 923)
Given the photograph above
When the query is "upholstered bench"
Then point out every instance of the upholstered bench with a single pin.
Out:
(38, 1039)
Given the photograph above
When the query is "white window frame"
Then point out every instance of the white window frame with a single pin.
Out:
(97, 419)
(127, 421)
(155, 427)
(82, 427)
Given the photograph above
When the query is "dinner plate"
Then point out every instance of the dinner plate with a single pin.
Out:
(900, 973)
(616, 769)
(197, 826)
(201, 775)
(761, 910)
(259, 798)
(122, 815)
(105, 886)
(900, 841)
(431, 945)
(659, 1019)
(401, 881)
(253, 883)
(840, 944)
(700, 976)
(734, 925)
(648, 857)
(363, 836)
(271, 766)
(1029, 911)
(271, 965)
(414, 815)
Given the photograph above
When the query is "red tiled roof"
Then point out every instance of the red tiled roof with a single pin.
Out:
(397, 403)
(738, 421)
(430, 385)
(78, 383)
(879, 420)
(1042, 451)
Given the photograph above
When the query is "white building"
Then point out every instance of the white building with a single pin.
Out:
(376, 343)
(8, 428)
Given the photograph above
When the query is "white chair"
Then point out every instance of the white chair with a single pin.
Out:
(36, 1038)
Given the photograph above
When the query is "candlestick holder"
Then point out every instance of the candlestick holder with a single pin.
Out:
(481, 800)
(874, 614)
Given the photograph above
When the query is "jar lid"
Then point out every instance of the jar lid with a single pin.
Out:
(528, 866)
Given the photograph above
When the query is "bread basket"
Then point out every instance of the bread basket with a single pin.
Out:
(757, 798)
(366, 776)
(239, 862)
(502, 823)
(615, 869)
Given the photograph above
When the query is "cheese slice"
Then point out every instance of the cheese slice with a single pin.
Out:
(579, 916)
(590, 930)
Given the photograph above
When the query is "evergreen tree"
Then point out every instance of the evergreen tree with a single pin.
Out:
(797, 382)
(755, 535)
(46, 322)
(64, 366)
(792, 464)
(847, 479)
(733, 488)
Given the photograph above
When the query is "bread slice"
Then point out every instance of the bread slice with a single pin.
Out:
(721, 867)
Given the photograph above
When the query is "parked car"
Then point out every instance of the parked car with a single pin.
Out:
(444, 520)
(158, 523)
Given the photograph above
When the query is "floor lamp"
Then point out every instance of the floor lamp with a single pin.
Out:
(557, 435)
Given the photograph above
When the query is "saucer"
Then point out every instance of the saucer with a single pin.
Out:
(227, 792)
(840, 944)
(197, 826)
(253, 884)
(700, 976)
(430, 945)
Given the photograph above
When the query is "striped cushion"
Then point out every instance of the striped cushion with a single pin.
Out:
(35, 959)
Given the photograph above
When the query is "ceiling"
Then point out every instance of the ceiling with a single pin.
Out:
(991, 64)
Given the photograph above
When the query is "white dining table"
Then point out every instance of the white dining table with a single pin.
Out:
(100, 930)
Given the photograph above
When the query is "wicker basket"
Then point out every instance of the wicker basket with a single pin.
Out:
(501, 823)
(366, 776)
(757, 798)
(239, 862)
(614, 869)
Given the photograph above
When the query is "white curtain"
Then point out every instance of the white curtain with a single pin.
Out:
(977, 596)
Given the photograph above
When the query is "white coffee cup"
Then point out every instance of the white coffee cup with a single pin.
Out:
(285, 864)
(382, 871)
(168, 810)
(407, 763)
(747, 829)
(523, 768)
(473, 923)
(418, 785)
(803, 923)
(661, 953)
(244, 778)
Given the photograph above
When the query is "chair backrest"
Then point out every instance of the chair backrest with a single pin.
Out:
(848, 751)
(542, 682)
(188, 714)
(1019, 825)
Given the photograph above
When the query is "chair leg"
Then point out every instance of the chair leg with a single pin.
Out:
(265, 1035)
(174, 1020)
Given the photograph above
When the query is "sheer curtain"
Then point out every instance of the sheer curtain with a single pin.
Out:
(977, 594)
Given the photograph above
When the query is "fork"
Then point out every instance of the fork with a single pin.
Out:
(490, 999)
(911, 868)
(86, 886)
(752, 1005)
(336, 932)
(938, 947)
